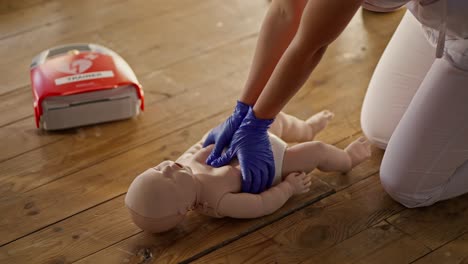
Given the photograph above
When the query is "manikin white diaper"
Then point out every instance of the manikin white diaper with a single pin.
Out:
(278, 146)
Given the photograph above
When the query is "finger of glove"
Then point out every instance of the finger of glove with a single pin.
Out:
(264, 179)
(210, 139)
(218, 149)
(270, 174)
(246, 180)
(257, 180)
(223, 159)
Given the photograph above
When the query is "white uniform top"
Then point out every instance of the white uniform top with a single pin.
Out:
(445, 23)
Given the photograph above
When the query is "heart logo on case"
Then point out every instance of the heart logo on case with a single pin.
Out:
(75, 67)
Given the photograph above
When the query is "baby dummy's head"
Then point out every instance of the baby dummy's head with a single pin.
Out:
(159, 198)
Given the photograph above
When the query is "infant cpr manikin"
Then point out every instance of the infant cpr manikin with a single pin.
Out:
(159, 198)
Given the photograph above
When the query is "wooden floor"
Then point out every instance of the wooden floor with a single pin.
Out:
(61, 194)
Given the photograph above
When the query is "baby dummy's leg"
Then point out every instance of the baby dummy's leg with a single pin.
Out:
(310, 155)
(292, 129)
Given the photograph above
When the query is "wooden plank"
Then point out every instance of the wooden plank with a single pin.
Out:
(436, 225)
(102, 226)
(454, 252)
(160, 85)
(161, 40)
(382, 243)
(313, 230)
(7, 6)
(99, 16)
(19, 17)
(17, 105)
(72, 238)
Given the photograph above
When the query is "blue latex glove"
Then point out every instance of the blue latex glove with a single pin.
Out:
(222, 134)
(252, 146)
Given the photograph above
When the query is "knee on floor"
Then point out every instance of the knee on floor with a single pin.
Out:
(404, 192)
(377, 134)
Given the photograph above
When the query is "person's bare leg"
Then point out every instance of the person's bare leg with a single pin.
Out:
(293, 129)
(310, 155)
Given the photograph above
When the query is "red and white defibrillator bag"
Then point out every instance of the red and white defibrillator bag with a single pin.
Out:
(83, 84)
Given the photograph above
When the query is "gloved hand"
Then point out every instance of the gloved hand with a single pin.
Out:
(252, 146)
(222, 134)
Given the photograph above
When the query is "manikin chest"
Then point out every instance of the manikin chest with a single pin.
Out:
(215, 182)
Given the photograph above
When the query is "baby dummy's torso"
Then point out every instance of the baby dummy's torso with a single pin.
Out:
(216, 182)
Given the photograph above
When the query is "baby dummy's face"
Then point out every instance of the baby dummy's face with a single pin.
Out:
(171, 169)
(159, 198)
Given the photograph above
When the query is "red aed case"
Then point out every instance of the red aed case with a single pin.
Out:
(82, 84)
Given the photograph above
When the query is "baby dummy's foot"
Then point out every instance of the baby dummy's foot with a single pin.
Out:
(358, 151)
(319, 121)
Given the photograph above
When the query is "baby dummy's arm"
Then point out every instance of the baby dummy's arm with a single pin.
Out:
(246, 205)
(293, 129)
(193, 149)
